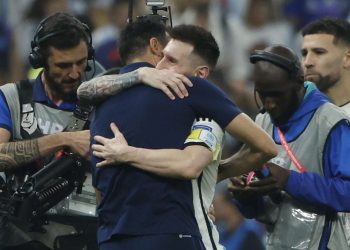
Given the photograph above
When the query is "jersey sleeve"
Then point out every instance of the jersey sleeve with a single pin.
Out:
(5, 115)
(208, 100)
(208, 133)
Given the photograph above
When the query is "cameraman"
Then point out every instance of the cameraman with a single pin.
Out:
(62, 46)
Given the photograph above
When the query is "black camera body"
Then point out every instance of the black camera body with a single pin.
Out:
(47, 187)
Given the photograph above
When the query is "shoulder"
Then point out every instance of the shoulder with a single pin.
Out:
(262, 118)
(9, 92)
(204, 85)
(195, 79)
(331, 113)
(8, 87)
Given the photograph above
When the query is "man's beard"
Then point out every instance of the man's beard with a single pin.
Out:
(325, 83)
(57, 88)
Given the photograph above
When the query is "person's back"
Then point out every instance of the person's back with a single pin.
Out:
(139, 208)
(149, 119)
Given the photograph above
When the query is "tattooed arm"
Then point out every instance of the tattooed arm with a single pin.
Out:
(17, 154)
(101, 87)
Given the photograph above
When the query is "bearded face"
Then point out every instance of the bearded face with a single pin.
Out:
(64, 70)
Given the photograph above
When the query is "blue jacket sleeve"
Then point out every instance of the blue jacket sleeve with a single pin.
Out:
(5, 115)
(333, 189)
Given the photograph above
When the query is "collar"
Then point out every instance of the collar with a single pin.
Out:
(39, 95)
(297, 123)
(133, 66)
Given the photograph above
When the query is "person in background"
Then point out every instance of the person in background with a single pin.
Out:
(325, 54)
(236, 232)
(305, 188)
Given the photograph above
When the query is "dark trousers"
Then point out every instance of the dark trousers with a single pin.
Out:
(154, 242)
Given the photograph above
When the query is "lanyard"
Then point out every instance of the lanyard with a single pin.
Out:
(290, 153)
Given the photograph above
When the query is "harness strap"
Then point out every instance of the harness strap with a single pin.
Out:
(290, 152)
(29, 124)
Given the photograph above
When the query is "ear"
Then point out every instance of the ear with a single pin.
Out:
(155, 47)
(202, 72)
(347, 59)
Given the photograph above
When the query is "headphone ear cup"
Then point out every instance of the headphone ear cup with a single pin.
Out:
(35, 58)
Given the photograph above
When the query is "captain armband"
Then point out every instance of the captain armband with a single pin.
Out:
(207, 133)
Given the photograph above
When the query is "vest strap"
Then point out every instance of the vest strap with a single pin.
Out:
(29, 124)
(290, 152)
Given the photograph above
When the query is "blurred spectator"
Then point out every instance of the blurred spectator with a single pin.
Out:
(38, 10)
(108, 18)
(25, 27)
(236, 232)
(105, 32)
(301, 12)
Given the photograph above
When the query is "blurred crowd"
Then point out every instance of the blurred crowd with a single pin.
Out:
(239, 27)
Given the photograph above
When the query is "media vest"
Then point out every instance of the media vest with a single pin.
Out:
(48, 119)
(293, 224)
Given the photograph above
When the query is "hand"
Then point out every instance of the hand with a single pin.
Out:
(78, 142)
(166, 81)
(276, 181)
(239, 190)
(112, 150)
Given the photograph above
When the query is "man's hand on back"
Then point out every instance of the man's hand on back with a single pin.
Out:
(165, 80)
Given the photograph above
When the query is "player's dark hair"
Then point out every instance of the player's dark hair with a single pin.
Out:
(134, 39)
(339, 28)
(202, 40)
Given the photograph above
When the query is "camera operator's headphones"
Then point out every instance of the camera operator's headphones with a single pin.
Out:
(36, 58)
(291, 66)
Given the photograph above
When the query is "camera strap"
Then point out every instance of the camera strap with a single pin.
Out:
(290, 152)
(29, 124)
(80, 118)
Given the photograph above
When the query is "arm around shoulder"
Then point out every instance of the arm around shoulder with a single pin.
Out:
(175, 163)
(181, 164)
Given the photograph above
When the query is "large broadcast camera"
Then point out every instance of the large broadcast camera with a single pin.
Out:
(44, 189)
(48, 187)
(49, 192)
